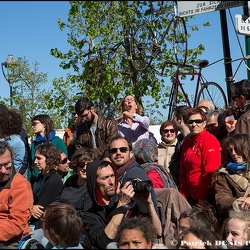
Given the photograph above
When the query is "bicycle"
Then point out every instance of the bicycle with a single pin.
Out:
(203, 89)
(145, 44)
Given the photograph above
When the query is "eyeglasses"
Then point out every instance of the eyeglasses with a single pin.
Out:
(196, 121)
(81, 165)
(234, 97)
(35, 123)
(85, 115)
(122, 150)
(64, 161)
(6, 165)
(168, 130)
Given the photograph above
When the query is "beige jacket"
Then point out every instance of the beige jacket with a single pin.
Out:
(165, 152)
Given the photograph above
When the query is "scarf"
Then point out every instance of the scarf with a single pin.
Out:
(164, 144)
(234, 168)
(121, 170)
(40, 138)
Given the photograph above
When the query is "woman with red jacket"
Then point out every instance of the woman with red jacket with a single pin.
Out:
(201, 155)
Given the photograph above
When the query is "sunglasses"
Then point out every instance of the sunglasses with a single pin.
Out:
(122, 150)
(64, 161)
(168, 130)
(81, 165)
(234, 97)
(198, 121)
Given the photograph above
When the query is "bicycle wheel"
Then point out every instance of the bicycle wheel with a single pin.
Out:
(213, 91)
(180, 41)
(141, 46)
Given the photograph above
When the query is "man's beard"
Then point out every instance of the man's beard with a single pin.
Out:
(110, 193)
(91, 120)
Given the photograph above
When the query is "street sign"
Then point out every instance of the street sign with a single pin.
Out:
(242, 24)
(190, 8)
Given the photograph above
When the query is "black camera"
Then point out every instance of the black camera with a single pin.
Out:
(141, 186)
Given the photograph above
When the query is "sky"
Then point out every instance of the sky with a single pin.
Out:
(29, 29)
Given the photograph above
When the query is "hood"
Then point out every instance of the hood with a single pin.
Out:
(91, 178)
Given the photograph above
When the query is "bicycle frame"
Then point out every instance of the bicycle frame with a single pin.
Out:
(194, 72)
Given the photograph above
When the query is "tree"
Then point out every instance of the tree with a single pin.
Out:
(100, 33)
(30, 93)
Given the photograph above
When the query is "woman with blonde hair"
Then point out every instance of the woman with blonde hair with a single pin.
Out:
(132, 124)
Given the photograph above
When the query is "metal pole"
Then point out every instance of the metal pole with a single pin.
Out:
(226, 52)
(11, 101)
(9, 64)
(246, 9)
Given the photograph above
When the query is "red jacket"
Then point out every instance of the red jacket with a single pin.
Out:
(16, 201)
(200, 156)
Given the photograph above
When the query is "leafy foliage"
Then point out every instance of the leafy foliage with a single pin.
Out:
(99, 33)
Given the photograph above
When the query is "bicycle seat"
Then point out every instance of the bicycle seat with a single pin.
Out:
(201, 63)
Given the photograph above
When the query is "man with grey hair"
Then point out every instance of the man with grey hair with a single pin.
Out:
(16, 200)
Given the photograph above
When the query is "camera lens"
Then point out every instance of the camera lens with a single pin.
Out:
(142, 186)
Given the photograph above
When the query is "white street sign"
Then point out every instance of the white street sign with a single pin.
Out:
(242, 24)
(190, 8)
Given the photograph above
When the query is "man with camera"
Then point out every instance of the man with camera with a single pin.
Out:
(113, 202)
(122, 156)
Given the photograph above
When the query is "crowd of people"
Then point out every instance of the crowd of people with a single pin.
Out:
(108, 184)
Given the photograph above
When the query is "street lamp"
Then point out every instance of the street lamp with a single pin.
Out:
(9, 64)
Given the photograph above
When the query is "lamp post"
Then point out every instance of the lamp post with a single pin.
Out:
(9, 64)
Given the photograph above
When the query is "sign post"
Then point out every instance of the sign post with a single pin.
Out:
(247, 38)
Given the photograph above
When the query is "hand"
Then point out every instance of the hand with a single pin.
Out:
(128, 114)
(118, 119)
(144, 197)
(125, 194)
(37, 211)
(230, 127)
(245, 203)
